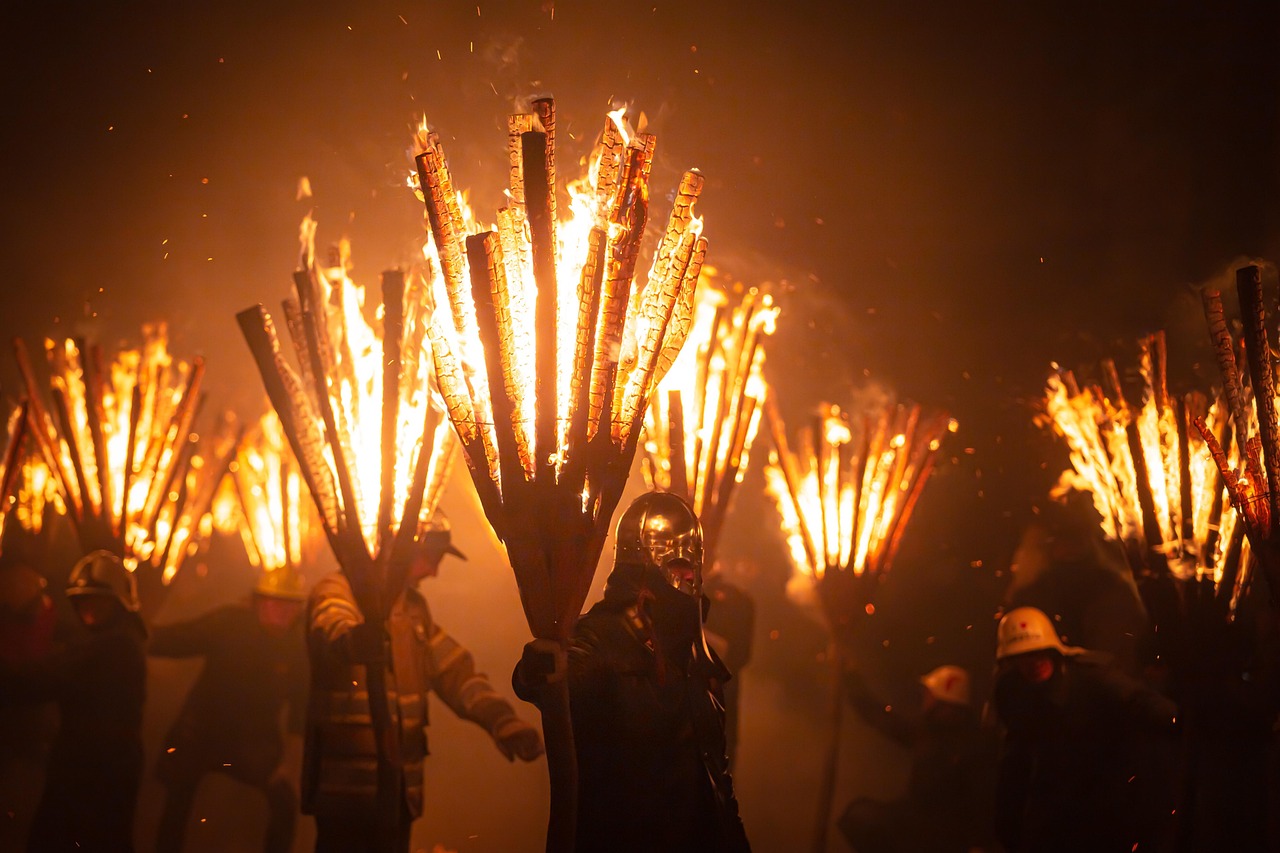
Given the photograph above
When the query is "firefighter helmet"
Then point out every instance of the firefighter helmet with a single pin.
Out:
(1027, 629)
(103, 573)
(658, 530)
(436, 537)
(284, 582)
(948, 684)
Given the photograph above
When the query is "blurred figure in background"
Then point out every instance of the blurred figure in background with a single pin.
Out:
(98, 680)
(645, 693)
(340, 768)
(949, 802)
(254, 670)
(27, 630)
(1068, 762)
(730, 630)
(27, 618)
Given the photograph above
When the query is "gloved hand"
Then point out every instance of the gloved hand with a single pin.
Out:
(518, 739)
(543, 662)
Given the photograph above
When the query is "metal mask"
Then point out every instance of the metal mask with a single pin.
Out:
(659, 530)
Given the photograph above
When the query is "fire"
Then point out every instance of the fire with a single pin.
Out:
(702, 422)
(119, 447)
(845, 498)
(1152, 475)
(550, 350)
(360, 412)
(263, 500)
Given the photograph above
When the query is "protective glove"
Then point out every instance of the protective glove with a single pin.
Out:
(518, 739)
(543, 662)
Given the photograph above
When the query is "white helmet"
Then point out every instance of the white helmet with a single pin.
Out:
(948, 684)
(1027, 629)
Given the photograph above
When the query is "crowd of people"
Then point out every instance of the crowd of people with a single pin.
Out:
(1073, 750)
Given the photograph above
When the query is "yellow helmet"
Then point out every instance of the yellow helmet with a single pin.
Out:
(284, 582)
(1027, 629)
(948, 684)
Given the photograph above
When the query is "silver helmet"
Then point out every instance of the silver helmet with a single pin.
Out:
(661, 531)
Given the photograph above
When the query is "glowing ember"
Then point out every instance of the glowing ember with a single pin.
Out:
(553, 350)
(1152, 476)
(120, 450)
(703, 419)
(845, 498)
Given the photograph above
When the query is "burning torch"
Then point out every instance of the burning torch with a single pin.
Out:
(703, 419)
(117, 441)
(845, 496)
(1152, 475)
(263, 503)
(547, 362)
(370, 441)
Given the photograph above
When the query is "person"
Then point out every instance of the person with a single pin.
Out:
(948, 802)
(1070, 735)
(98, 681)
(340, 766)
(730, 630)
(645, 696)
(28, 632)
(254, 669)
(27, 617)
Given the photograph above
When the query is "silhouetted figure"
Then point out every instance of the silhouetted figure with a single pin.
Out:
(730, 628)
(648, 721)
(949, 802)
(1069, 761)
(27, 619)
(28, 626)
(254, 668)
(340, 768)
(98, 681)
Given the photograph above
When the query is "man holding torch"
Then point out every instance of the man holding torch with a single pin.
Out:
(339, 773)
(646, 696)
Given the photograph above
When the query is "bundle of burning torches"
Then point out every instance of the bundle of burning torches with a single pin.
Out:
(115, 446)
(1247, 456)
(847, 491)
(1152, 473)
(704, 416)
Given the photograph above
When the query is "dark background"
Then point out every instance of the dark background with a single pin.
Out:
(948, 197)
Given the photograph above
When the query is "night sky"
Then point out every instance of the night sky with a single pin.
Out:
(946, 197)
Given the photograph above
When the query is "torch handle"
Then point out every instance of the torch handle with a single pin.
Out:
(562, 766)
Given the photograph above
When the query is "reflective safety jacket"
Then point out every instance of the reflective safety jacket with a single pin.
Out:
(339, 772)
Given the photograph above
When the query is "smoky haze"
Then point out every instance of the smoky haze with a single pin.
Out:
(947, 198)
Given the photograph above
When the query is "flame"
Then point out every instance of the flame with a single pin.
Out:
(1102, 429)
(263, 501)
(353, 347)
(709, 405)
(846, 496)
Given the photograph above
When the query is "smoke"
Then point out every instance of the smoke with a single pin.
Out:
(1191, 359)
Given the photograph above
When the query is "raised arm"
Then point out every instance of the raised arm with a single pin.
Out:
(191, 638)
